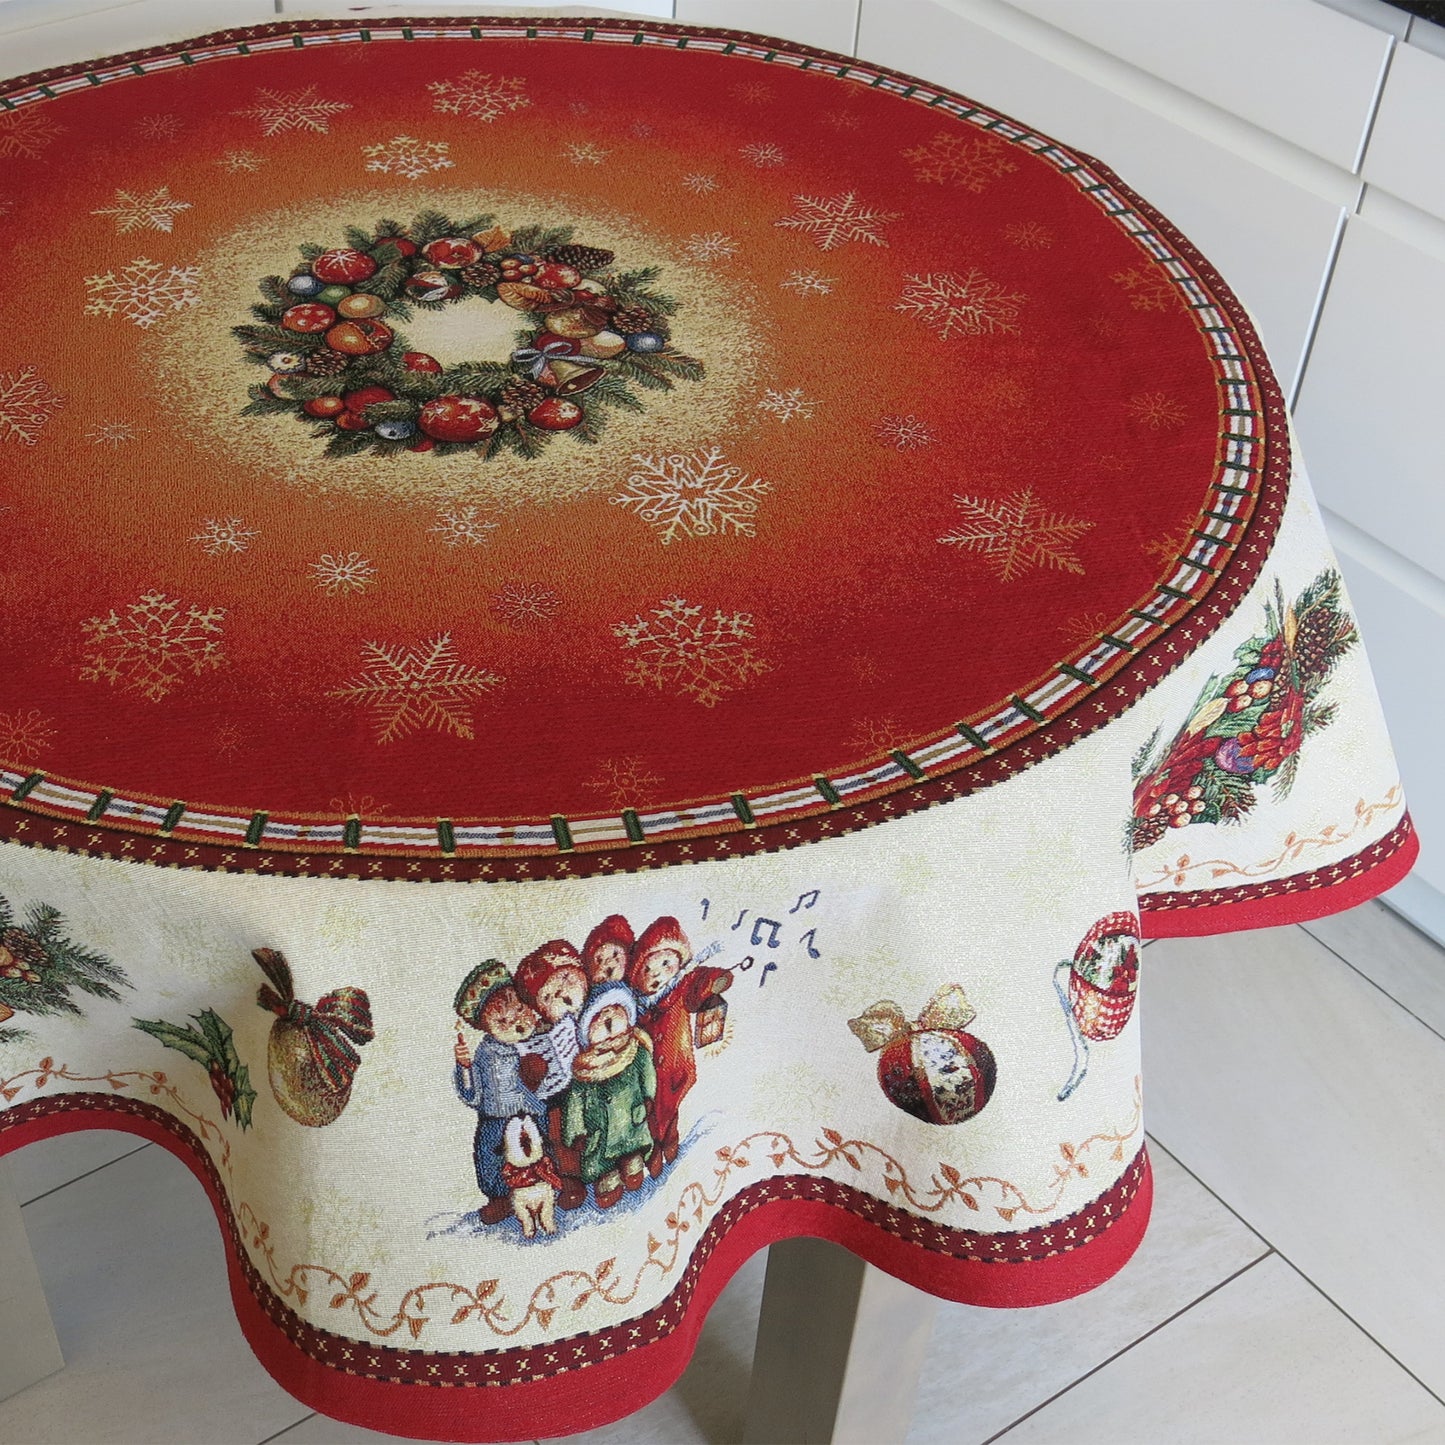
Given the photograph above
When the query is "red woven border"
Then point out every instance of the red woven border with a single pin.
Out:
(1293, 899)
(28, 823)
(586, 1380)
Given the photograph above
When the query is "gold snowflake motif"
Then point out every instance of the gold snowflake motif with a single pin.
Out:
(219, 535)
(585, 153)
(228, 740)
(463, 527)
(641, 129)
(763, 154)
(25, 133)
(151, 646)
(354, 805)
(26, 404)
(967, 303)
(25, 735)
(699, 183)
(579, 107)
(907, 433)
(877, 735)
(154, 210)
(833, 221)
(1015, 533)
(113, 434)
(753, 92)
(158, 127)
(478, 96)
(685, 650)
(424, 685)
(1084, 628)
(405, 156)
(623, 782)
(1029, 235)
(279, 111)
(1147, 290)
(1157, 410)
(1169, 548)
(809, 283)
(711, 246)
(972, 162)
(785, 405)
(525, 604)
(842, 119)
(338, 572)
(143, 292)
(235, 162)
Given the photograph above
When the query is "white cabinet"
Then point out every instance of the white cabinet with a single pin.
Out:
(1408, 141)
(828, 24)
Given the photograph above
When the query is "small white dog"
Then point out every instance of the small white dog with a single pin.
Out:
(531, 1176)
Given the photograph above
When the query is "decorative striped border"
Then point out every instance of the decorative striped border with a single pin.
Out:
(1226, 552)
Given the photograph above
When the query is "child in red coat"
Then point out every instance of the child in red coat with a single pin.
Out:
(669, 994)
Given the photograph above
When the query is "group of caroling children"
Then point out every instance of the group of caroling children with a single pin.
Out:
(595, 1049)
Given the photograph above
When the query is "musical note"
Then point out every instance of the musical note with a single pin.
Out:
(747, 963)
(767, 969)
(706, 904)
(772, 937)
(739, 923)
(811, 895)
(809, 938)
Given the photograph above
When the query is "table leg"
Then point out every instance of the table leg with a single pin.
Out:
(29, 1350)
(839, 1350)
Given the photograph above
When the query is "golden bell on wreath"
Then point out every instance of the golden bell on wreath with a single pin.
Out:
(569, 377)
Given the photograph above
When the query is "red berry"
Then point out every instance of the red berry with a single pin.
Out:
(556, 413)
(420, 361)
(324, 406)
(1179, 820)
(352, 421)
(309, 317)
(421, 444)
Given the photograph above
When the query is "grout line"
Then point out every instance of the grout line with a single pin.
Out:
(1380, 988)
(310, 1414)
(145, 1144)
(1103, 1364)
(1274, 1249)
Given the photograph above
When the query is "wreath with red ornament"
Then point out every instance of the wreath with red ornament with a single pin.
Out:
(1248, 726)
(589, 338)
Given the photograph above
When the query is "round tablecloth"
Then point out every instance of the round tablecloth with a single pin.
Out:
(613, 635)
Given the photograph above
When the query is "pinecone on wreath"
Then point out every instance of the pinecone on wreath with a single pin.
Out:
(21, 957)
(522, 395)
(325, 362)
(484, 273)
(1317, 643)
(580, 258)
(633, 320)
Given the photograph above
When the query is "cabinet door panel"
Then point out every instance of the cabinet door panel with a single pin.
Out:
(1409, 134)
(828, 24)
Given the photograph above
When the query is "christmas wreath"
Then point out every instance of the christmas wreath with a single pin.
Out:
(1248, 725)
(589, 337)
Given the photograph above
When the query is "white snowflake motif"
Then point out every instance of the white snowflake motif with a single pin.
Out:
(234, 162)
(25, 133)
(763, 155)
(681, 648)
(463, 526)
(526, 604)
(699, 183)
(809, 283)
(1015, 533)
(968, 161)
(219, 535)
(338, 572)
(623, 781)
(158, 127)
(154, 210)
(785, 405)
(278, 111)
(113, 433)
(695, 494)
(143, 292)
(907, 433)
(479, 97)
(833, 221)
(1157, 410)
(404, 155)
(25, 735)
(26, 404)
(152, 645)
(711, 246)
(425, 685)
(968, 304)
(584, 153)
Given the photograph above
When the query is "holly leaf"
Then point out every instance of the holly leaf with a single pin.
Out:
(185, 1040)
(245, 1097)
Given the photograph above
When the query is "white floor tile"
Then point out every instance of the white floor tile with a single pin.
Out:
(988, 1367)
(1297, 1091)
(38, 1168)
(1266, 1360)
(1405, 963)
(135, 1276)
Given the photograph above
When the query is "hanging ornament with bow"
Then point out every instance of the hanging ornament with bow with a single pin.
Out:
(1103, 982)
(931, 1068)
(310, 1056)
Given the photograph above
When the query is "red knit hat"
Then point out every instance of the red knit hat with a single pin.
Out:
(613, 929)
(541, 964)
(661, 933)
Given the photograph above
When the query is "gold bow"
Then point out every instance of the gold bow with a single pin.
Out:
(884, 1022)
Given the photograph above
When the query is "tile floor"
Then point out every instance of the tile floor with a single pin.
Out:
(1281, 1297)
